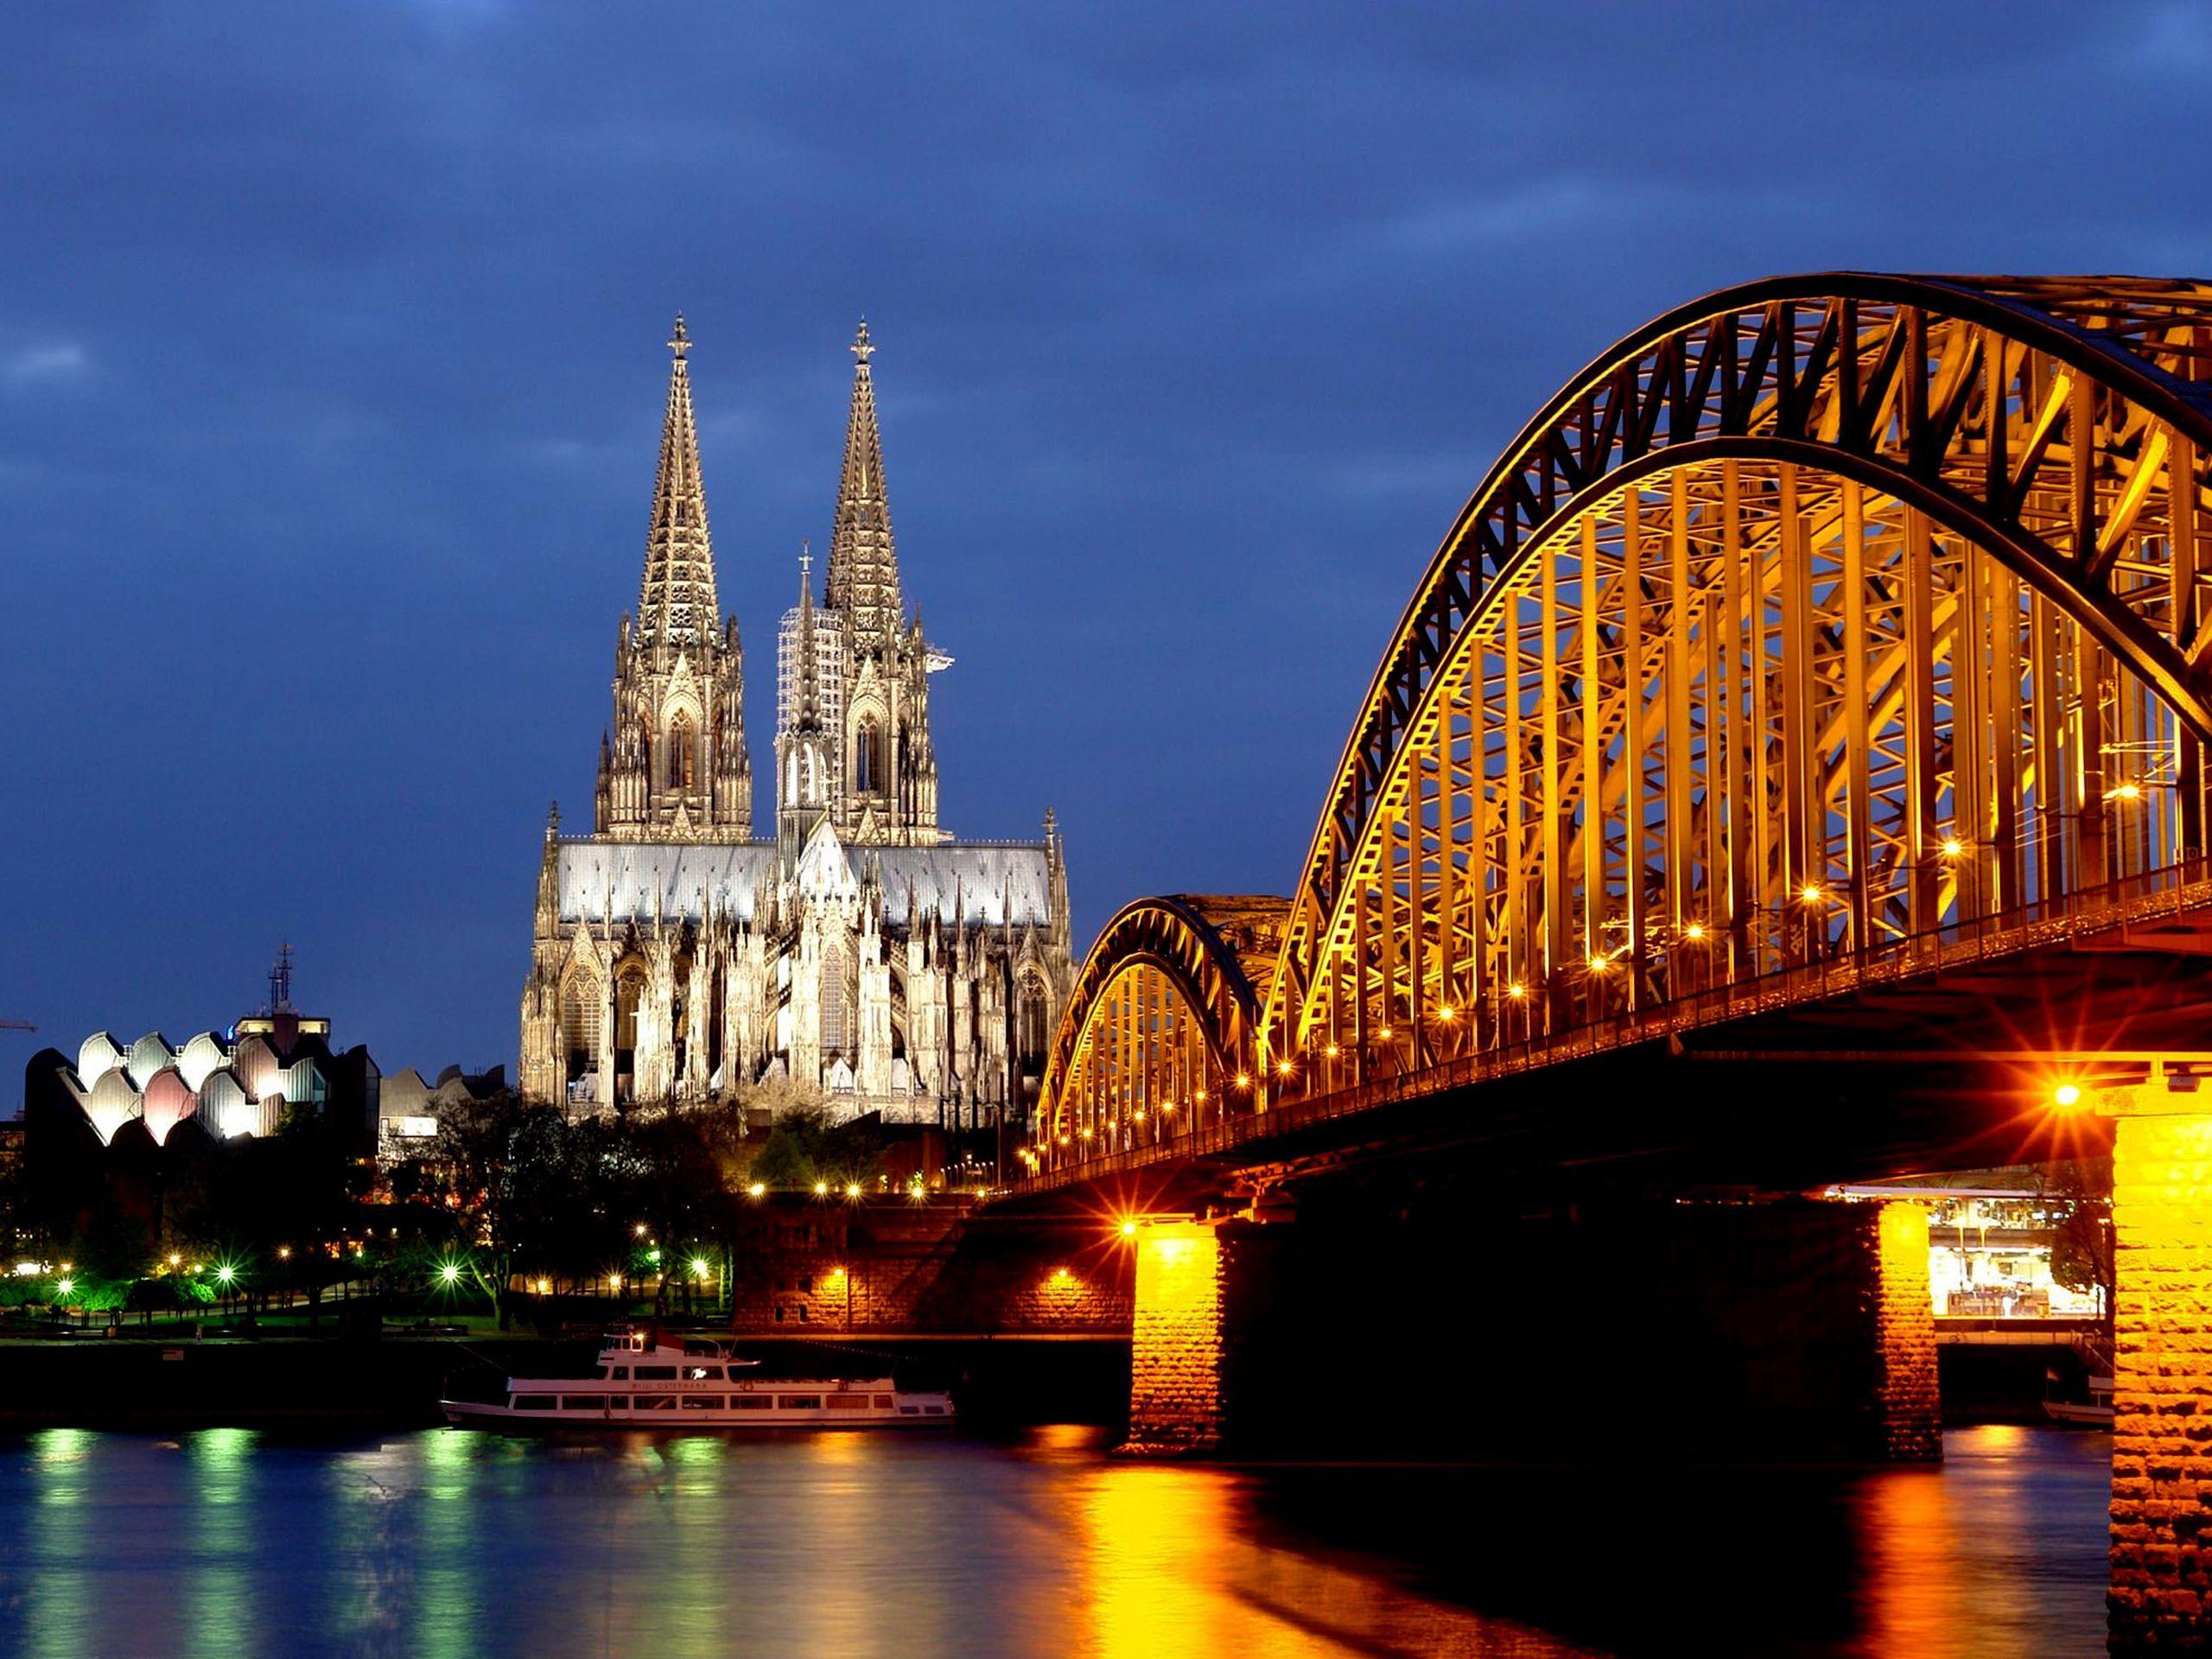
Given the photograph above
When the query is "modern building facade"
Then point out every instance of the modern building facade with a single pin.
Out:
(857, 945)
(226, 1084)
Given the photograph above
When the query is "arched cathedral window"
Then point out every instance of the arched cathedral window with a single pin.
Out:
(683, 754)
(867, 759)
(582, 1005)
(1032, 1015)
(836, 1001)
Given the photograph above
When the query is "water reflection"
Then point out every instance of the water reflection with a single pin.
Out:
(231, 1544)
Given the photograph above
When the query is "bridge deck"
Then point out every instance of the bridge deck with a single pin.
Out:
(1891, 1003)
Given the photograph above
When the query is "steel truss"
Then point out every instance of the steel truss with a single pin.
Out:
(1822, 615)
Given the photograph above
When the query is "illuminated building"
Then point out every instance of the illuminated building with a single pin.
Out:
(236, 1083)
(861, 947)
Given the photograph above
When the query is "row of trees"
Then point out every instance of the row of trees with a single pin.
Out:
(510, 1191)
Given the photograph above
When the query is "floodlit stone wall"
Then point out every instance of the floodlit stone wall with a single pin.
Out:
(1178, 1369)
(2160, 1595)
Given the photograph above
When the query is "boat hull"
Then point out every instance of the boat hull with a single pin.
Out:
(686, 1418)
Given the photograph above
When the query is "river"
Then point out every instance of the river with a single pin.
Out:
(234, 1544)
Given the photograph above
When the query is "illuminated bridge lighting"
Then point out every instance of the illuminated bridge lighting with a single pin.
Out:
(1731, 447)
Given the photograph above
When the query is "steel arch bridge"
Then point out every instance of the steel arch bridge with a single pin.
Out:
(1820, 630)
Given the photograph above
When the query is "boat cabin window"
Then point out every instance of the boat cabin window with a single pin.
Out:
(619, 1373)
(753, 1401)
(702, 1373)
(883, 1402)
(799, 1401)
(583, 1402)
(848, 1402)
(656, 1373)
(702, 1402)
(652, 1403)
(533, 1402)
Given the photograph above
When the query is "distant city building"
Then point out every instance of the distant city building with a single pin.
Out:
(410, 1108)
(222, 1085)
(859, 947)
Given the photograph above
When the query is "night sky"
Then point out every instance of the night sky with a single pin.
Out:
(331, 367)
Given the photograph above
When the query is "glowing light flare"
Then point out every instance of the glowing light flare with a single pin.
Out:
(1952, 846)
(822, 1189)
(1810, 894)
(700, 1267)
(758, 1190)
(2067, 1096)
(449, 1273)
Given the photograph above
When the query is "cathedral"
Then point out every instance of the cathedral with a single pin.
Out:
(856, 945)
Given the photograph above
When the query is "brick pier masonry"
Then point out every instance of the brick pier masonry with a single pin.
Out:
(2160, 1596)
(1770, 1331)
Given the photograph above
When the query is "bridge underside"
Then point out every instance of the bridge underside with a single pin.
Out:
(1952, 1071)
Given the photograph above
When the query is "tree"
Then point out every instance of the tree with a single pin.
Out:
(680, 1169)
(475, 1155)
(2081, 1247)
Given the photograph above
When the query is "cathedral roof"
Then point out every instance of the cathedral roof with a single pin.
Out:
(600, 879)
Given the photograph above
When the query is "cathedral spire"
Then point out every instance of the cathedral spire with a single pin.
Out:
(863, 561)
(676, 604)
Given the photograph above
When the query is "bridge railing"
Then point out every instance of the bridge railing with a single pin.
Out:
(2169, 890)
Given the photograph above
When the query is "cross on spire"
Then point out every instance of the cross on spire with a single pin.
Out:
(680, 341)
(861, 347)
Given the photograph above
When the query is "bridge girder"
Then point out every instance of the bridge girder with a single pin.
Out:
(1820, 618)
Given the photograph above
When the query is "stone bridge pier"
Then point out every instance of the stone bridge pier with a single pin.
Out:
(1442, 1323)
(2160, 1594)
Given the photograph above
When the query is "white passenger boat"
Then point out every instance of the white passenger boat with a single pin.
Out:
(641, 1382)
(2096, 1414)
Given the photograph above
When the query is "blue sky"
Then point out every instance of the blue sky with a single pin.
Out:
(331, 368)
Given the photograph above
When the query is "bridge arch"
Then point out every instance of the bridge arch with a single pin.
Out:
(1818, 620)
(1159, 1032)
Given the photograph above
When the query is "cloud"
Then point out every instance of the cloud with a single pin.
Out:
(51, 362)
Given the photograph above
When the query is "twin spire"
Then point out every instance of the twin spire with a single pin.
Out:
(863, 561)
(677, 603)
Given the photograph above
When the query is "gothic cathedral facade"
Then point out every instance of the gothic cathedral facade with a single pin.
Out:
(857, 946)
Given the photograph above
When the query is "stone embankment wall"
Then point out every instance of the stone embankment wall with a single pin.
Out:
(829, 1267)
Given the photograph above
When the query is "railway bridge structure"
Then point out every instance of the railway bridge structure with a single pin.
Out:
(1789, 769)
